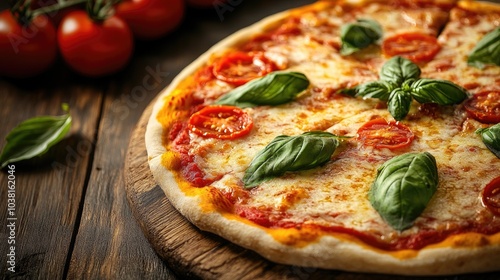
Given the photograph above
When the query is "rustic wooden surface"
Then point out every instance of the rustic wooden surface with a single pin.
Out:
(73, 217)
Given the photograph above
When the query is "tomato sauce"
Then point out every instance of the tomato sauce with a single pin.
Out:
(273, 219)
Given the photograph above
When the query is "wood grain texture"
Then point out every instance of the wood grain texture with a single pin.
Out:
(195, 254)
(49, 189)
(109, 244)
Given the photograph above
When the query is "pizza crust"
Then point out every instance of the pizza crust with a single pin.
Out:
(457, 254)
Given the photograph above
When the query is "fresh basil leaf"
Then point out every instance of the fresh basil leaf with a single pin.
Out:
(290, 153)
(486, 51)
(275, 88)
(442, 92)
(491, 138)
(399, 69)
(403, 187)
(358, 35)
(375, 89)
(399, 103)
(34, 137)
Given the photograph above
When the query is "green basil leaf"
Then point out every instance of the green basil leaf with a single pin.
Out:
(375, 89)
(34, 137)
(403, 187)
(275, 88)
(399, 69)
(486, 51)
(441, 92)
(358, 35)
(290, 153)
(399, 103)
(491, 138)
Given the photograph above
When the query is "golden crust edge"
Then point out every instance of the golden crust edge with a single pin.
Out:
(479, 6)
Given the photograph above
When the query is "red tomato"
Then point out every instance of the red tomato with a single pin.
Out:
(417, 47)
(484, 106)
(151, 19)
(94, 48)
(220, 121)
(491, 196)
(26, 51)
(239, 68)
(380, 133)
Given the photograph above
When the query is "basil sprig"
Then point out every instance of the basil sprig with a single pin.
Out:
(403, 187)
(400, 83)
(290, 153)
(486, 51)
(33, 137)
(491, 138)
(358, 35)
(398, 70)
(275, 88)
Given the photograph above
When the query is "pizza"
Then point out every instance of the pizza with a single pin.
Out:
(353, 135)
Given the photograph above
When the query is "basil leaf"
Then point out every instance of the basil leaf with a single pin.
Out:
(359, 35)
(399, 103)
(491, 138)
(399, 69)
(34, 137)
(375, 89)
(486, 51)
(403, 187)
(273, 89)
(290, 153)
(441, 92)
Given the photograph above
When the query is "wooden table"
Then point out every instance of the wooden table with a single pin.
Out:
(73, 218)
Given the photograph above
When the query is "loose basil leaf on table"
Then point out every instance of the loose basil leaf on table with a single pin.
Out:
(358, 35)
(275, 88)
(399, 69)
(399, 103)
(290, 153)
(491, 138)
(442, 92)
(403, 187)
(33, 137)
(486, 51)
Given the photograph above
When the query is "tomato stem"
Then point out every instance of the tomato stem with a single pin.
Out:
(62, 4)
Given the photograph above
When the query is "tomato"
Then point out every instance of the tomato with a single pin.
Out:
(380, 133)
(26, 51)
(417, 47)
(239, 68)
(94, 48)
(151, 19)
(491, 196)
(220, 121)
(484, 106)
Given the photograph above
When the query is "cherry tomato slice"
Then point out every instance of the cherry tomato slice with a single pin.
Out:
(484, 106)
(417, 47)
(239, 67)
(220, 121)
(491, 196)
(380, 133)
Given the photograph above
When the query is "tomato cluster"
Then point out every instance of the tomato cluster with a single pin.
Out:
(91, 47)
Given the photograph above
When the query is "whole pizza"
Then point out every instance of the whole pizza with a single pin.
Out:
(352, 135)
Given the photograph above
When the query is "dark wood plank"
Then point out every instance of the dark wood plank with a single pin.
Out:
(48, 189)
(109, 243)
